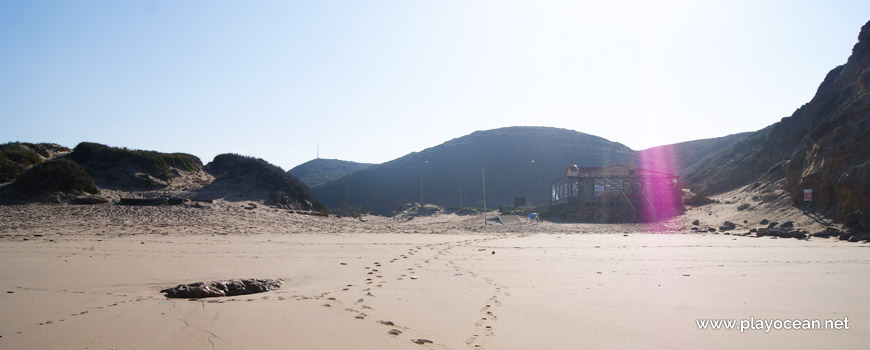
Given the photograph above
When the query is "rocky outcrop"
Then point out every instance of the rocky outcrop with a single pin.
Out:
(222, 288)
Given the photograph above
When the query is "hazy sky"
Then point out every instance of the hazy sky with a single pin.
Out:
(375, 80)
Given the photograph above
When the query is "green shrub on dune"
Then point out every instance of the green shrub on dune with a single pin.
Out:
(15, 158)
(101, 158)
(58, 175)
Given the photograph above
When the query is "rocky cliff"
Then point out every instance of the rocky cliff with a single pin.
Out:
(833, 158)
(823, 146)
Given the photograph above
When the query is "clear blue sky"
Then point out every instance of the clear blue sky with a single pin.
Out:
(375, 80)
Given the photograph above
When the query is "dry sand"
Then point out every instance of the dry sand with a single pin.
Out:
(88, 277)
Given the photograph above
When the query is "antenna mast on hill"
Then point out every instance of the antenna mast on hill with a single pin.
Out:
(318, 150)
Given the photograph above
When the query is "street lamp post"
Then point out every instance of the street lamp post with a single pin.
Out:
(543, 182)
(460, 192)
(483, 179)
(421, 182)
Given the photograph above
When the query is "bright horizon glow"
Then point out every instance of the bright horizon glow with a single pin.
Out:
(371, 81)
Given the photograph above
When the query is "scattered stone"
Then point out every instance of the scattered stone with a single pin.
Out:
(854, 239)
(710, 229)
(730, 225)
(764, 222)
(772, 224)
(787, 224)
(696, 222)
(753, 230)
(222, 288)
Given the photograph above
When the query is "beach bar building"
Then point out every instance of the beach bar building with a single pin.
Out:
(616, 193)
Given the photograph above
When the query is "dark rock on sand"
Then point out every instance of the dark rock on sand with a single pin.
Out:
(222, 288)
(821, 234)
(89, 200)
(764, 222)
(772, 224)
(728, 225)
(787, 224)
(858, 220)
(696, 222)
(845, 235)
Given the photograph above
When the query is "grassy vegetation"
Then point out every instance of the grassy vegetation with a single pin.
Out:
(57, 175)
(282, 187)
(100, 158)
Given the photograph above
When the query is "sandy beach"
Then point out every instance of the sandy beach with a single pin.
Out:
(89, 277)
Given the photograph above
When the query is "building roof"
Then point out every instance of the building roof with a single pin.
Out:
(615, 170)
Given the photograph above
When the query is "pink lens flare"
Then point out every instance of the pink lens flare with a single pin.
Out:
(661, 188)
